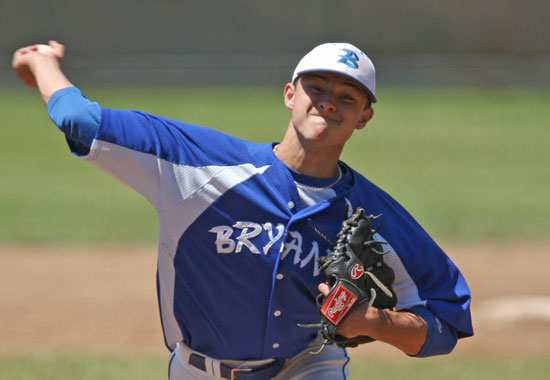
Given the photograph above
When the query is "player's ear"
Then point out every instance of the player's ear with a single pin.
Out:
(289, 93)
(368, 113)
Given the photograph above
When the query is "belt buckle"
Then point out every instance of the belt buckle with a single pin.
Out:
(233, 370)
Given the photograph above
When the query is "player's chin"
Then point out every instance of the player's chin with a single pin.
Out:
(319, 133)
(323, 141)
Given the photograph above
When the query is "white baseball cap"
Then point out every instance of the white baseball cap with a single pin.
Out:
(341, 58)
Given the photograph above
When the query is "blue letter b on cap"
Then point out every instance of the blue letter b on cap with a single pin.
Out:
(349, 59)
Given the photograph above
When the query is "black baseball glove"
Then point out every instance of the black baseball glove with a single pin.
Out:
(356, 274)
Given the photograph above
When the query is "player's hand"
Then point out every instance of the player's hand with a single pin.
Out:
(356, 322)
(25, 59)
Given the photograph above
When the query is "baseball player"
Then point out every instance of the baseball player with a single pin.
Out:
(242, 225)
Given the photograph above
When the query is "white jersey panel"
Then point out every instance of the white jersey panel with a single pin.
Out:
(165, 288)
(404, 286)
(138, 170)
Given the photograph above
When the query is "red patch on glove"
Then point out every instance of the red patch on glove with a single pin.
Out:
(338, 303)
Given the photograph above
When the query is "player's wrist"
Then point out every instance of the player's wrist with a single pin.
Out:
(42, 62)
(361, 321)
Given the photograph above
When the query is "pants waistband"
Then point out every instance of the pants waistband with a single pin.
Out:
(231, 369)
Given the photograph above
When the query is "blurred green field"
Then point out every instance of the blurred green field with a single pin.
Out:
(102, 367)
(471, 164)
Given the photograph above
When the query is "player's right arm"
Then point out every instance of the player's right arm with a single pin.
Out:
(41, 68)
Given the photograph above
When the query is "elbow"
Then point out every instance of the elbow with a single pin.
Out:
(440, 340)
(441, 337)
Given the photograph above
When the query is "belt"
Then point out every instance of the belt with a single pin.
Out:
(265, 372)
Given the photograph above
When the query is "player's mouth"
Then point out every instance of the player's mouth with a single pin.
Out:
(328, 119)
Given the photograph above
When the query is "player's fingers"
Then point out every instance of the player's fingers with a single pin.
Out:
(323, 288)
(58, 48)
(22, 56)
(19, 58)
(20, 64)
(21, 52)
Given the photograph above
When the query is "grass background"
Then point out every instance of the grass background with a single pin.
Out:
(471, 164)
(139, 367)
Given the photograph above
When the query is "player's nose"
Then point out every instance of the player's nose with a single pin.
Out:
(326, 103)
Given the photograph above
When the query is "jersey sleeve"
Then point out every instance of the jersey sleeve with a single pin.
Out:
(152, 154)
(429, 277)
(76, 116)
(425, 275)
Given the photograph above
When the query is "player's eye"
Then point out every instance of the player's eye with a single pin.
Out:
(347, 98)
(316, 89)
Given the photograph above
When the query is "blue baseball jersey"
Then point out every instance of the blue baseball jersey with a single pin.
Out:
(239, 240)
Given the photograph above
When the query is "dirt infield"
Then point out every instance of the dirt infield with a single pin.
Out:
(104, 300)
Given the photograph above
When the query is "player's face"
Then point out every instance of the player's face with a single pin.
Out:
(327, 107)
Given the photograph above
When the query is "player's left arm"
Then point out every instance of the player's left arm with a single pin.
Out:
(417, 332)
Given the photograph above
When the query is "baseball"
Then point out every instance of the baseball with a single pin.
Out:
(41, 48)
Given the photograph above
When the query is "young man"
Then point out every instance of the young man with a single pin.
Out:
(242, 224)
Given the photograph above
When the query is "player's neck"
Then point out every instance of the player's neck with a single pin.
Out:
(309, 161)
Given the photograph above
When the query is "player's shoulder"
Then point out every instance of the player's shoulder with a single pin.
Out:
(373, 197)
(174, 140)
(367, 186)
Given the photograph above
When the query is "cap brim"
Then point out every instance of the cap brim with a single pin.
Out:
(370, 95)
